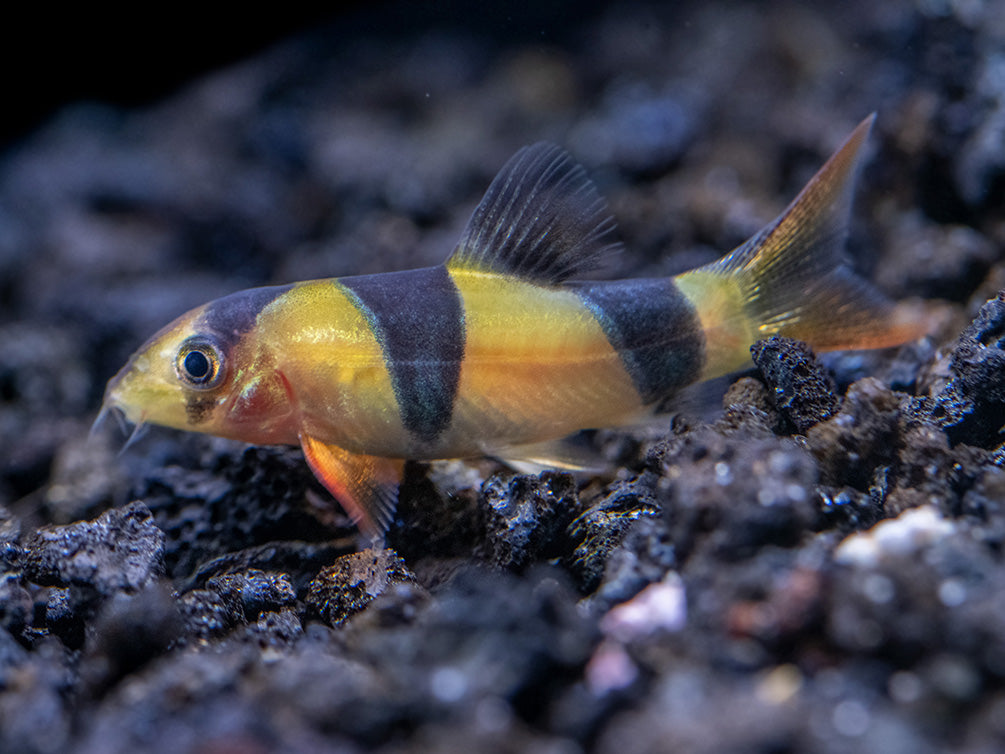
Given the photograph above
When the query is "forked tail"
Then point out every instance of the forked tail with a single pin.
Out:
(790, 279)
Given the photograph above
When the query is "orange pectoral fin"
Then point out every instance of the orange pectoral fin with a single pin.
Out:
(366, 486)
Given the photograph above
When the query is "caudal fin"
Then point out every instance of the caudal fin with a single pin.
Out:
(791, 279)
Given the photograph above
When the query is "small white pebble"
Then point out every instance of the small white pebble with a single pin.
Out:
(609, 668)
(779, 684)
(857, 549)
(911, 531)
(659, 607)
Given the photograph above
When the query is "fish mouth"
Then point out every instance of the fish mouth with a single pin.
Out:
(111, 408)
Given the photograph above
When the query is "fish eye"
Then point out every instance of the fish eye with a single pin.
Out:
(199, 363)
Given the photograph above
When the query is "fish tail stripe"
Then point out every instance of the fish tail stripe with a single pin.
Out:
(418, 319)
(655, 330)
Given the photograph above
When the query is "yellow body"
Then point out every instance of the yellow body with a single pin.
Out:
(522, 340)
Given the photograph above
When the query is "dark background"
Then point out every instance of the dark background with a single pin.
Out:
(134, 57)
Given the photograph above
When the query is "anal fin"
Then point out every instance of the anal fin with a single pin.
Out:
(551, 454)
(366, 486)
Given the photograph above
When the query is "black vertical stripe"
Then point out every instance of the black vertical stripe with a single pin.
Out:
(225, 320)
(418, 320)
(230, 317)
(654, 329)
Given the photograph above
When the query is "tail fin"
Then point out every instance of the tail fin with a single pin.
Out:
(790, 279)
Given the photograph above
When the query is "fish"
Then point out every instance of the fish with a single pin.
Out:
(501, 351)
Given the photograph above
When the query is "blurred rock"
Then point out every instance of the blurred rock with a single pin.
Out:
(862, 435)
(34, 713)
(129, 631)
(731, 497)
(935, 261)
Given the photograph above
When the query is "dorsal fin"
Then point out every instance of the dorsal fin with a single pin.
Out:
(541, 219)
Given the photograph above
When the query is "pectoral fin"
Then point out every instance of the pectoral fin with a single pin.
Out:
(366, 486)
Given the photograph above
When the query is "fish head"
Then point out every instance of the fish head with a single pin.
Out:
(207, 372)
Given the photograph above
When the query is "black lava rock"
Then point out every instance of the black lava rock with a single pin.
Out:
(644, 555)
(348, 586)
(301, 560)
(205, 615)
(801, 388)
(862, 435)
(436, 520)
(717, 590)
(524, 516)
(971, 409)
(10, 548)
(599, 530)
(120, 551)
(250, 593)
(65, 617)
(275, 630)
(749, 407)
(16, 604)
(251, 498)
